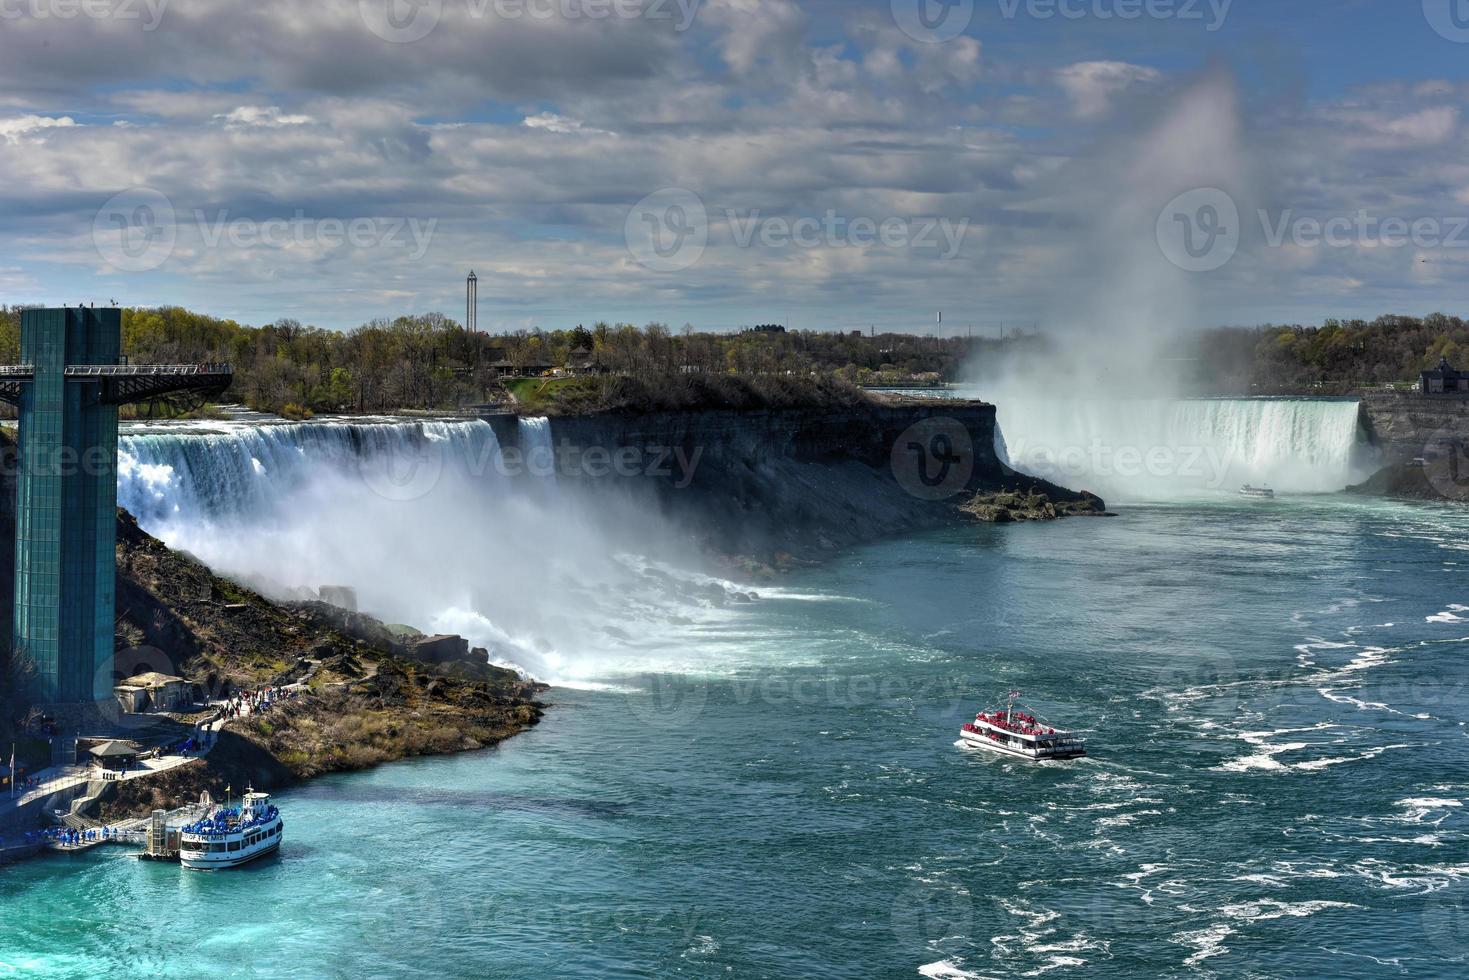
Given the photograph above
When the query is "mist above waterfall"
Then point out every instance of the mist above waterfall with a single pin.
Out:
(433, 529)
(1101, 403)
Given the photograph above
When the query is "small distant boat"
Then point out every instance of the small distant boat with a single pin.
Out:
(1257, 493)
(1020, 733)
(231, 836)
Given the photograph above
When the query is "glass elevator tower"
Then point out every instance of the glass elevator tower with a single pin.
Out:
(68, 389)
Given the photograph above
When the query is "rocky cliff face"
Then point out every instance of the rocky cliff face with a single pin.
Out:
(1407, 426)
(768, 488)
(1422, 441)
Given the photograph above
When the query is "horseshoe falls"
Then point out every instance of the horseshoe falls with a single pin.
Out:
(1189, 448)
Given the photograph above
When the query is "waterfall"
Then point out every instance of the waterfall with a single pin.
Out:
(536, 445)
(434, 528)
(1149, 450)
(245, 472)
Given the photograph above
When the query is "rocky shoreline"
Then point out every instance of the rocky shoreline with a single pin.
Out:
(1031, 503)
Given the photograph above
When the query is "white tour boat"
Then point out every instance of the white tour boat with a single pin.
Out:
(1257, 493)
(229, 837)
(1020, 733)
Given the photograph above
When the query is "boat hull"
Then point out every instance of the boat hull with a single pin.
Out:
(231, 861)
(981, 741)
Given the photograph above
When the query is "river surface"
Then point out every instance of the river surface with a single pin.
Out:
(1275, 694)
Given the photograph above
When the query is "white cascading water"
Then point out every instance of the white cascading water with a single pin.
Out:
(1168, 449)
(536, 444)
(435, 528)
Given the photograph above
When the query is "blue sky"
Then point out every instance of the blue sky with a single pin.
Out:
(829, 163)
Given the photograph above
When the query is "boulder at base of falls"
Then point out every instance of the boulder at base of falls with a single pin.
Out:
(1011, 507)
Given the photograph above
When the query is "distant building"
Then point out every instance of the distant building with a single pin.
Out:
(117, 755)
(583, 361)
(530, 369)
(1444, 380)
(152, 692)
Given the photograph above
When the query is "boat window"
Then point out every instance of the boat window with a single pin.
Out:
(216, 848)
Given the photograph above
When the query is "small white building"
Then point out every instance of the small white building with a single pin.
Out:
(152, 692)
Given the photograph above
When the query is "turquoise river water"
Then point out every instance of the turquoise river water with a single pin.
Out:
(1275, 694)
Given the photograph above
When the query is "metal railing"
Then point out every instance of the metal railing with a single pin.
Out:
(121, 370)
(144, 370)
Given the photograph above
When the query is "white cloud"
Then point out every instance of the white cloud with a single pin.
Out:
(14, 128)
(552, 123)
(1092, 85)
(268, 116)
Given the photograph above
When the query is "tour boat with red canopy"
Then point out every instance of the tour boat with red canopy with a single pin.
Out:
(1019, 731)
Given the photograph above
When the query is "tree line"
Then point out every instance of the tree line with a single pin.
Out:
(431, 362)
